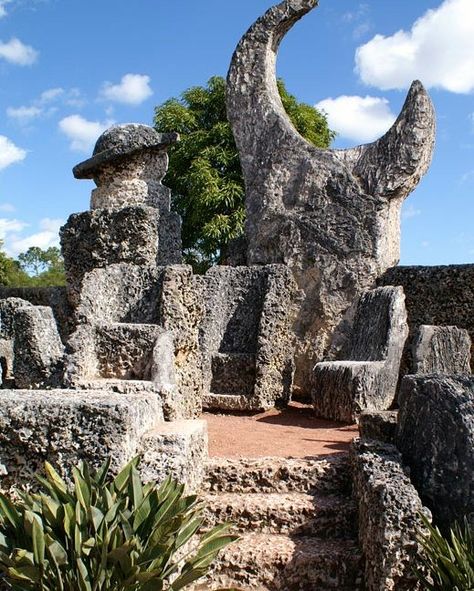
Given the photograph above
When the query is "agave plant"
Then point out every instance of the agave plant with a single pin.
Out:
(448, 562)
(105, 534)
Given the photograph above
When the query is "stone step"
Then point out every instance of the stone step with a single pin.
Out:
(329, 474)
(325, 516)
(276, 562)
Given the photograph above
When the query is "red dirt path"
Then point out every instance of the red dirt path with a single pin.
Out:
(293, 432)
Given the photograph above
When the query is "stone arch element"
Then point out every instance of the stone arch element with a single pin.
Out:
(332, 216)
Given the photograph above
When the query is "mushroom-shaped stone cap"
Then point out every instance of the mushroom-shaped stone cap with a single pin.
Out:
(121, 141)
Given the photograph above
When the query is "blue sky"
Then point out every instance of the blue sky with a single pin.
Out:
(70, 68)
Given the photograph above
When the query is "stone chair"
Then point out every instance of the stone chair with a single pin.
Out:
(367, 380)
(441, 350)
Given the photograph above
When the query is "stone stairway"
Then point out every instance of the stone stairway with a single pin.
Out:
(296, 521)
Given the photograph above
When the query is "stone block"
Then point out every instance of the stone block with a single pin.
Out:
(436, 437)
(368, 380)
(37, 348)
(103, 237)
(441, 350)
(122, 292)
(178, 448)
(389, 517)
(65, 426)
(379, 425)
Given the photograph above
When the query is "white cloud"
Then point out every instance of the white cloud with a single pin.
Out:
(438, 50)
(133, 89)
(362, 119)
(9, 153)
(8, 226)
(46, 104)
(409, 211)
(3, 10)
(16, 52)
(50, 95)
(24, 114)
(82, 133)
(7, 207)
(47, 236)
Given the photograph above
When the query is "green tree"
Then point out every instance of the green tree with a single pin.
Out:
(11, 274)
(44, 267)
(205, 175)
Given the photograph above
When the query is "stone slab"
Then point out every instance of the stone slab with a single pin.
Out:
(177, 448)
(65, 426)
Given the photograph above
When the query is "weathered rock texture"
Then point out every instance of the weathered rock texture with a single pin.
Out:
(332, 216)
(31, 349)
(54, 297)
(442, 296)
(389, 517)
(64, 426)
(436, 437)
(379, 425)
(245, 338)
(179, 449)
(296, 522)
(441, 349)
(368, 379)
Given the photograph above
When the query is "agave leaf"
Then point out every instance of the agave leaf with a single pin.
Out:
(81, 489)
(56, 551)
(123, 477)
(83, 578)
(188, 577)
(188, 531)
(25, 573)
(38, 540)
(100, 476)
(9, 512)
(55, 480)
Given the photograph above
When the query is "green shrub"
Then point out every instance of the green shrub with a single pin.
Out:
(104, 534)
(448, 562)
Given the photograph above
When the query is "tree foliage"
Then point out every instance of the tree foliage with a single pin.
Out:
(34, 268)
(205, 175)
(44, 267)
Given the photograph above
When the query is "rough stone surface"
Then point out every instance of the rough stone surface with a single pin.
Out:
(389, 517)
(269, 475)
(379, 425)
(133, 234)
(436, 437)
(368, 379)
(178, 448)
(120, 293)
(119, 142)
(332, 216)
(440, 295)
(53, 297)
(441, 349)
(181, 311)
(245, 336)
(281, 563)
(32, 353)
(323, 516)
(64, 426)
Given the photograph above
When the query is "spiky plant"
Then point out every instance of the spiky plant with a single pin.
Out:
(447, 561)
(104, 533)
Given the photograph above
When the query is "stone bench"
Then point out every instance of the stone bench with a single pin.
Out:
(341, 390)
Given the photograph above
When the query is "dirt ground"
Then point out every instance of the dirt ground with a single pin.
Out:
(293, 432)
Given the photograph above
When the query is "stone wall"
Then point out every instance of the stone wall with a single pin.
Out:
(435, 434)
(389, 516)
(441, 295)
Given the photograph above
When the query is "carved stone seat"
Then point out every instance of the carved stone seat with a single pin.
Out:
(441, 350)
(341, 390)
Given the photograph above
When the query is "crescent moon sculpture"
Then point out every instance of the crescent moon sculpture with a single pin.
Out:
(333, 216)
